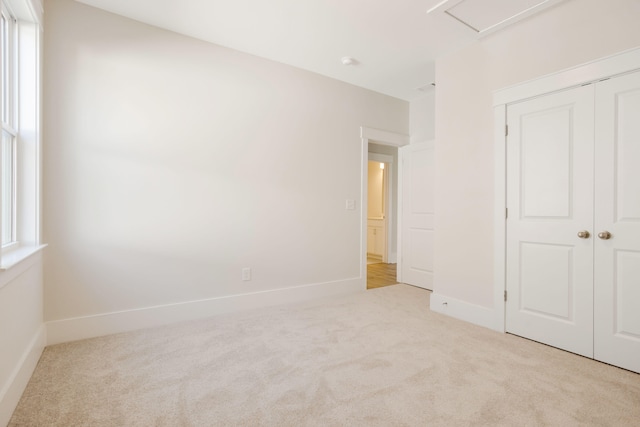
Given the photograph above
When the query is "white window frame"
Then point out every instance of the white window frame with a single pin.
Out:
(24, 123)
(10, 54)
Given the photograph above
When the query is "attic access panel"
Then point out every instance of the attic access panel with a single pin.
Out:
(487, 16)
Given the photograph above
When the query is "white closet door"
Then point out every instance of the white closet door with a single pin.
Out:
(550, 200)
(617, 267)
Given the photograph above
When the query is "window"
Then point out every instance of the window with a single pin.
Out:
(9, 133)
(20, 41)
(8, 188)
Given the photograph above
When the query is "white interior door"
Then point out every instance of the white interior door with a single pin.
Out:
(549, 201)
(417, 229)
(617, 267)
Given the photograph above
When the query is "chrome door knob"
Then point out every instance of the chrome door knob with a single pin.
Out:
(604, 235)
(584, 234)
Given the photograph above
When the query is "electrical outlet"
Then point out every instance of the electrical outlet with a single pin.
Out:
(350, 205)
(246, 274)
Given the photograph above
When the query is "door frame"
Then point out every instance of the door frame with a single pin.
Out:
(591, 72)
(381, 137)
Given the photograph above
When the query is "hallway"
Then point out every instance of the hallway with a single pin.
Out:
(380, 275)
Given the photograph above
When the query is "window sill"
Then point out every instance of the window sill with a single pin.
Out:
(16, 256)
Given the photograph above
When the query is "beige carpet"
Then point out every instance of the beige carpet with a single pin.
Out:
(377, 358)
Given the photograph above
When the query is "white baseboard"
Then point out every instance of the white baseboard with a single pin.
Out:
(14, 387)
(78, 328)
(476, 314)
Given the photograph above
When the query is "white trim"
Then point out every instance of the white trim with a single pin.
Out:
(384, 137)
(27, 10)
(15, 256)
(381, 137)
(59, 331)
(500, 206)
(18, 261)
(476, 314)
(399, 268)
(37, 11)
(621, 63)
(14, 387)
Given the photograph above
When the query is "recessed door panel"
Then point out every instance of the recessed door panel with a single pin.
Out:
(420, 170)
(546, 146)
(421, 242)
(627, 152)
(546, 280)
(626, 291)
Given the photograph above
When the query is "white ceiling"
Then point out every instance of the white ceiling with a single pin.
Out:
(394, 41)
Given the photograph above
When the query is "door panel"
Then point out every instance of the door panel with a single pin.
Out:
(421, 242)
(626, 145)
(549, 200)
(617, 267)
(546, 146)
(627, 294)
(416, 264)
(544, 263)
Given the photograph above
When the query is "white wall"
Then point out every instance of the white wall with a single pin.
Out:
(171, 164)
(376, 190)
(422, 117)
(22, 335)
(574, 32)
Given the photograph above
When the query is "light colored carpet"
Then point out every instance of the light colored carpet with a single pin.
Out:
(376, 358)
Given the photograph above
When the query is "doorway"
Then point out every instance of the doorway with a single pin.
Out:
(382, 168)
(377, 207)
(385, 143)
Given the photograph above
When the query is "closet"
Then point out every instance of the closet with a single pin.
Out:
(573, 219)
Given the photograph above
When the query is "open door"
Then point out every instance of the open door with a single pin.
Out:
(417, 218)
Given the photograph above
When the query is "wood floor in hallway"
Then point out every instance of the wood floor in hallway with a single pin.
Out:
(380, 275)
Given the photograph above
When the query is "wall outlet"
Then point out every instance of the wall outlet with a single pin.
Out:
(351, 205)
(246, 274)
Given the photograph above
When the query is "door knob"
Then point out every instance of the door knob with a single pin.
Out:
(584, 234)
(604, 235)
